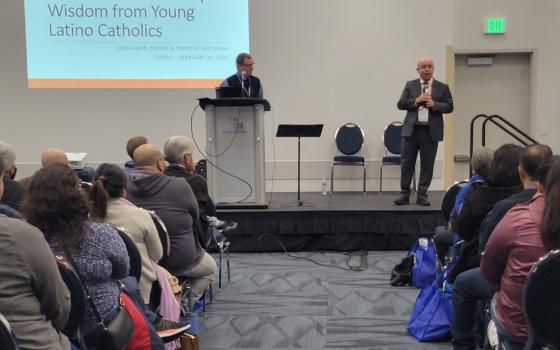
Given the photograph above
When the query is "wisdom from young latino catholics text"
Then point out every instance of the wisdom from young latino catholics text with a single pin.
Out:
(114, 13)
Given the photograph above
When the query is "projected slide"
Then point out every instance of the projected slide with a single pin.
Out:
(134, 43)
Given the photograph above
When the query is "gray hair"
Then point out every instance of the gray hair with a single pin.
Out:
(176, 147)
(7, 154)
(482, 160)
(241, 58)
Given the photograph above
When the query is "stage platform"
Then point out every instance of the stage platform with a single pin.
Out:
(343, 221)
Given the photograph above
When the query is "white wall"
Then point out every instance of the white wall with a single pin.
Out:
(530, 26)
(320, 61)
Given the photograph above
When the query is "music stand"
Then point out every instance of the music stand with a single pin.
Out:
(299, 131)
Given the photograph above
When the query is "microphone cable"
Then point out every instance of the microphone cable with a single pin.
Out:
(361, 254)
(205, 156)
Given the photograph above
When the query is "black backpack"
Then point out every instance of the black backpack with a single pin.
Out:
(402, 272)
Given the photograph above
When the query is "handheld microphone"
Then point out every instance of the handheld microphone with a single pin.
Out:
(425, 90)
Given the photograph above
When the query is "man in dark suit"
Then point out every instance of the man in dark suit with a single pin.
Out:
(250, 85)
(425, 100)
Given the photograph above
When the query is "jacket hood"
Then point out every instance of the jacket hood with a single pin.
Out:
(146, 183)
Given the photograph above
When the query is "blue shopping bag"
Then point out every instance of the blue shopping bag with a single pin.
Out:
(433, 310)
(424, 268)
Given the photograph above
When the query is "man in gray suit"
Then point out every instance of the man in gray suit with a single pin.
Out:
(425, 100)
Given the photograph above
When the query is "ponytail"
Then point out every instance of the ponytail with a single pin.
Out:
(99, 198)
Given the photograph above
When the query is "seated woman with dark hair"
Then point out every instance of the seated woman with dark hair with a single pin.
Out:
(56, 205)
(109, 204)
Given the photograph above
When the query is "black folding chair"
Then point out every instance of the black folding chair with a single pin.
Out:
(73, 329)
(133, 253)
(349, 140)
(392, 151)
(449, 199)
(7, 338)
(540, 302)
(163, 237)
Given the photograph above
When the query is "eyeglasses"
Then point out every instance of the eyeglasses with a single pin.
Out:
(248, 65)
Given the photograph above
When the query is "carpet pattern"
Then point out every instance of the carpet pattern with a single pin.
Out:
(277, 302)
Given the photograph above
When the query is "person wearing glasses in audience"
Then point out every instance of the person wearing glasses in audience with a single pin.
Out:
(250, 85)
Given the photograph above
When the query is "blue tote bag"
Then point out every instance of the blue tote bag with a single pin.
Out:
(433, 311)
(424, 268)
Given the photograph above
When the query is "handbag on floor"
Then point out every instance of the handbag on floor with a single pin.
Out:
(433, 310)
(402, 272)
(189, 342)
(424, 267)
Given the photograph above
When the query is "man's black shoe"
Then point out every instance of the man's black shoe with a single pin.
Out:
(163, 324)
(401, 201)
(423, 202)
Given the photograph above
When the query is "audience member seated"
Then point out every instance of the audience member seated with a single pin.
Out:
(503, 181)
(33, 297)
(131, 146)
(470, 286)
(524, 234)
(109, 204)
(173, 200)
(13, 191)
(178, 152)
(49, 157)
(56, 205)
(481, 161)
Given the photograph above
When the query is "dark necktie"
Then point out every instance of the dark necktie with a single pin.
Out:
(246, 90)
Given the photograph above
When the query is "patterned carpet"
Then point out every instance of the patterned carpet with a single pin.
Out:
(277, 302)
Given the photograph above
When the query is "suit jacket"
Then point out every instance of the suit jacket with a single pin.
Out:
(443, 103)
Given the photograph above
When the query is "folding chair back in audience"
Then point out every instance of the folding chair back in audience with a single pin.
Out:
(7, 339)
(163, 237)
(448, 201)
(73, 329)
(200, 168)
(133, 254)
(540, 301)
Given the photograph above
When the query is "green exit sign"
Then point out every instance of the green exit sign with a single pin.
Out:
(495, 25)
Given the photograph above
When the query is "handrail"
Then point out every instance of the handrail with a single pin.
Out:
(491, 119)
(519, 131)
(471, 145)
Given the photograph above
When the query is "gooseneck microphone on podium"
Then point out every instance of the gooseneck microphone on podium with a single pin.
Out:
(244, 83)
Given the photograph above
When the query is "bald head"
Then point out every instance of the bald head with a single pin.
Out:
(425, 68)
(53, 156)
(148, 157)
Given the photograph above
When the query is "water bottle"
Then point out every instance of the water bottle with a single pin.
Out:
(324, 187)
